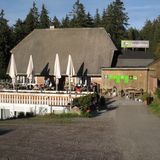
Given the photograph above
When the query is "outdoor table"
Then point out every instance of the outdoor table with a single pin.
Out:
(134, 93)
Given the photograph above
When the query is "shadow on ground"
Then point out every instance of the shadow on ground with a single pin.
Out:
(5, 131)
(108, 105)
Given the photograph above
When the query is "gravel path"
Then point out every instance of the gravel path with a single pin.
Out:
(128, 132)
(138, 131)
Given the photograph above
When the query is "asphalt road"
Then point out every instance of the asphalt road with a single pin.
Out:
(128, 132)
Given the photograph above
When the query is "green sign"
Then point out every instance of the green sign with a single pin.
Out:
(118, 78)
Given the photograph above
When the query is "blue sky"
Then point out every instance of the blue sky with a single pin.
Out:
(138, 10)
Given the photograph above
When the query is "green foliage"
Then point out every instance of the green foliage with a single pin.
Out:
(86, 114)
(44, 18)
(29, 114)
(63, 115)
(32, 19)
(151, 32)
(155, 106)
(19, 31)
(97, 19)
(115, 21)
(6, 43)
(84, 102)
(66, 22)
(158, 92)
(21, 115)
(144, 96)
(133, 34)
(89, 21)
(78, 15)
(56, 23)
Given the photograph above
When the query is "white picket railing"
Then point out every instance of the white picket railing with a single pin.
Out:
(37, 98)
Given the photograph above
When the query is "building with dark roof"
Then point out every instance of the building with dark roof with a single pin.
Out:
(134, 59)
(130, 69)
(90, 48)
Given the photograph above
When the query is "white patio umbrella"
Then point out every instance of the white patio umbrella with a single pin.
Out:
(30, 70)
(57, 70)
(70, 70)
(13, 70)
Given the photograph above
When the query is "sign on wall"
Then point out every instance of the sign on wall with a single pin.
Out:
(119, 78)
(134, 44)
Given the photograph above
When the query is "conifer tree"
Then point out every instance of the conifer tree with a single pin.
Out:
(44, 18)
(19, 31)
(56, 23)
(6, 43)
(89, 21)
(116, 21)
(78, 15)
(66, 22)
(133, 34)
(97, 19)
(32, 19)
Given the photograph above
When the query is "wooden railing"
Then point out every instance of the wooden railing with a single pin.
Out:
(37, 98)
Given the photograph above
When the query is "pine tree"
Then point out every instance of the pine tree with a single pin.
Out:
(19, 31)
(32, 19)
(56, 23)
(6, 43)
(147, 33)
(78, 15)
(116, 21)
(35, 15)
(156, 39)
(97, 19)
(133, 34)
(104, 19)
(44, 18)
(89, 21)
(66, 22)
(147, 30)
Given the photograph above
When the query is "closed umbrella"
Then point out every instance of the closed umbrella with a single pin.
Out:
(57, 70)
(13, 70)
(70, 70)
(30, 70)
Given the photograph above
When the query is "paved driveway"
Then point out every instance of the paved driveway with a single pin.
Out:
(137, 131)
(128, 132)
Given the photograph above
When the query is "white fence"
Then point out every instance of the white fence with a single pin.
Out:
(11, 103)
(37, 98)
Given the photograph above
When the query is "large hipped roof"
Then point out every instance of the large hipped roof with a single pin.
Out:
(90, 48)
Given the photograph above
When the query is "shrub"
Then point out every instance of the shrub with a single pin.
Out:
(158, 92)
(155, 106)
(144, 96)
(85, 102)
(29, 114)
(86, 114)
(21, 115)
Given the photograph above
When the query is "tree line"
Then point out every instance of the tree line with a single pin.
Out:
(114, 19)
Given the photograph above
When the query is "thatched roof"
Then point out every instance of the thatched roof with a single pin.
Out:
(90, 48)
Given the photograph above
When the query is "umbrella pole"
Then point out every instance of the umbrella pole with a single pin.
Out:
(30, 82)
(56, 84)
(13, 83)
(69, 83)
